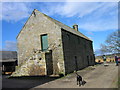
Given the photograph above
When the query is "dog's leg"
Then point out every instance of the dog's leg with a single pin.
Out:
(81, 83)
(77, 82)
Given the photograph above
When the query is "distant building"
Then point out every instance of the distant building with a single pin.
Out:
(48, 47)
(8, 61)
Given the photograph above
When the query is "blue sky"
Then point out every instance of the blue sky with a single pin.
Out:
(95, 19)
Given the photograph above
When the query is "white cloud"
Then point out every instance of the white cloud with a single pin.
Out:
(60, 0)
(99, 25)
(70, 9)
(15, 11)
(10, 46)
(81, 9)
(93, 16)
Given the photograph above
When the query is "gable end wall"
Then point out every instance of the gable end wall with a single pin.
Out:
(29, 40)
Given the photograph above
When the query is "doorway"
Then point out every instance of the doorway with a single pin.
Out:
(49, 63)
(76, 64)
(88, 60)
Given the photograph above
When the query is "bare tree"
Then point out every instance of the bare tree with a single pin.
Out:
(103, 49)
(112, 43)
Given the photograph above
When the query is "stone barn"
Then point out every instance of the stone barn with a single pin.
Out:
(48, 47)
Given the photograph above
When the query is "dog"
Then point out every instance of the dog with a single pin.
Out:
(79, 79)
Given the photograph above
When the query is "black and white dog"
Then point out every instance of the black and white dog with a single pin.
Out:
(80, 80)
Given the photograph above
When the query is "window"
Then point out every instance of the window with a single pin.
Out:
(44, 42)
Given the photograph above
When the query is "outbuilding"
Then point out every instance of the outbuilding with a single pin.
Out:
(8, 61)
(49, 47)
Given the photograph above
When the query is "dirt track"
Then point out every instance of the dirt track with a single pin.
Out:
(96, 77)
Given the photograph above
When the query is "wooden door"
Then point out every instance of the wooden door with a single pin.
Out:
(76, 64)
(49, 63)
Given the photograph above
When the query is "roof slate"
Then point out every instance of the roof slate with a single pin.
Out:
(67, 28)
(8, 55)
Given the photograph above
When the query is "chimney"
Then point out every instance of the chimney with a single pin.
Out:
(75, 27)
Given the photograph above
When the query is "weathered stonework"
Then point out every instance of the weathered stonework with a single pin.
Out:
(33, 61)
(76, 47)
(32, 66)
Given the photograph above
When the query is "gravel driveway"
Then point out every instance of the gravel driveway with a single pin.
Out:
(99, 76)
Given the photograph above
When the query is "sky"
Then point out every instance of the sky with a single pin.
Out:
(96, 20)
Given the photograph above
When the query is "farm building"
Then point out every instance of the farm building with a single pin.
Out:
(8, 61)
(48, 47)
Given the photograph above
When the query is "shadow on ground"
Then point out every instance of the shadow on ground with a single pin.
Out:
(26, 82)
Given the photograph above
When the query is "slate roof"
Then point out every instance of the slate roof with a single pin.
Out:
(65, 27)
(8, 56)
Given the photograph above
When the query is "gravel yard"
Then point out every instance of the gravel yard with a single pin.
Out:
(98, 76)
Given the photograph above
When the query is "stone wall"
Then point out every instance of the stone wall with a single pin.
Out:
(29, 40)
(31, 67)
(66, 47)
(75, 47)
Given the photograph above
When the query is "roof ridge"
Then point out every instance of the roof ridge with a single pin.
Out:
(62, 23)
(66, 27)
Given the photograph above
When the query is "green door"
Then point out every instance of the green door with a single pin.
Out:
(44, 42)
